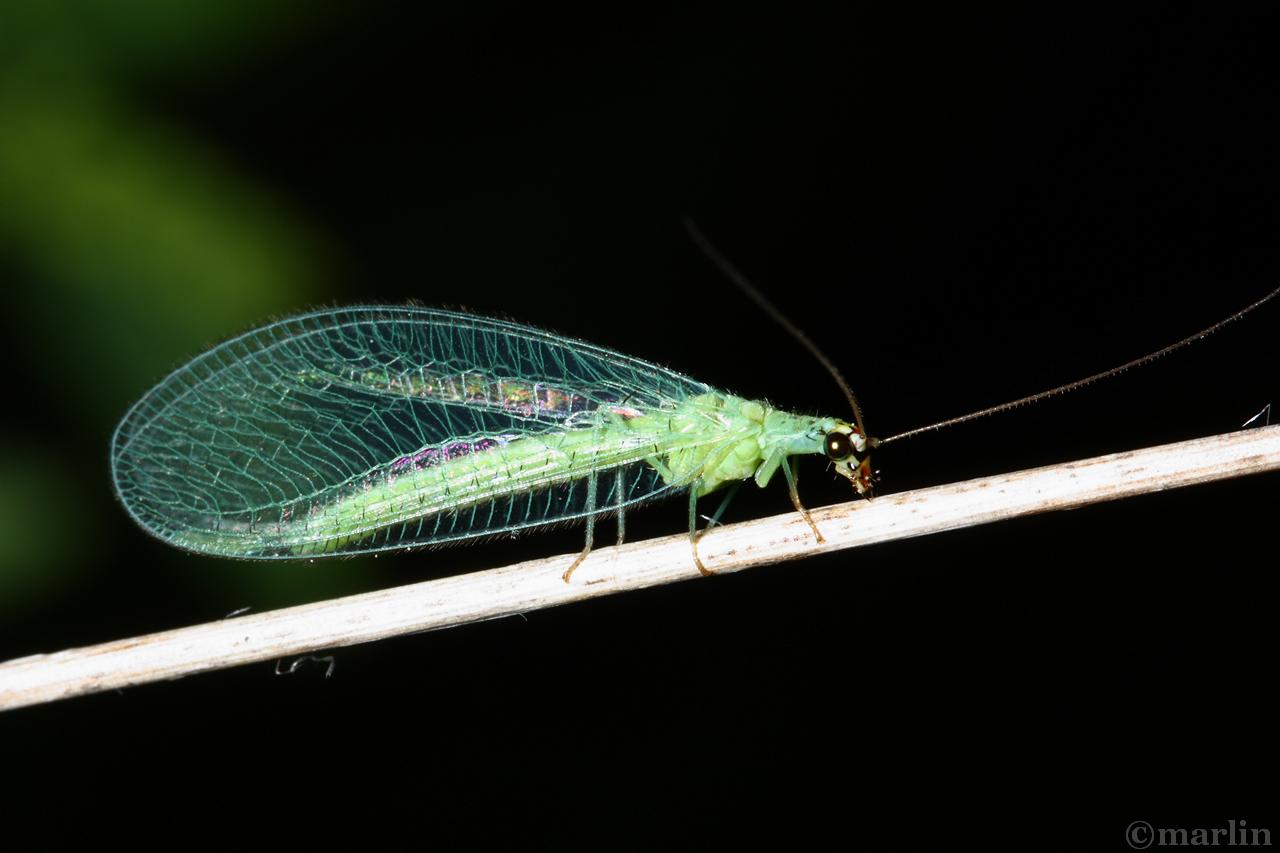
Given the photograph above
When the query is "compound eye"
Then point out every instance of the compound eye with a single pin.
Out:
(838, 446)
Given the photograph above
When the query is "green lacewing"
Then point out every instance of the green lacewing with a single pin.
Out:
(375, 428)
(368, 429)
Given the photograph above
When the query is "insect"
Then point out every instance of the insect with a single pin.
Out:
(375, 428)
(370, 429)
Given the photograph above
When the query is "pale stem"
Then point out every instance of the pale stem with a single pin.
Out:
(537, 584)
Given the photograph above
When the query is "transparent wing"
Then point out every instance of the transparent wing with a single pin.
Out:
(373, 428)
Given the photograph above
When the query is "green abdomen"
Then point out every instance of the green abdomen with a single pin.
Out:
(498, 483)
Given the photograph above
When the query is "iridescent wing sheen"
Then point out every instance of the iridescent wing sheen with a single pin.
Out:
(331, 432)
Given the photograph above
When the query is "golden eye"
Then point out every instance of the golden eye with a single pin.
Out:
(838, 446)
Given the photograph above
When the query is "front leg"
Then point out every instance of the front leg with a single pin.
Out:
(693, 528)
(700, 486)
(789, 468)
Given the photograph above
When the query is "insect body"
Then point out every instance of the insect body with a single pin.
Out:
(376, 428)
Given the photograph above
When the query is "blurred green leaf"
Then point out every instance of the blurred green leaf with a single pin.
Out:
(134, 244)
(143, 245)
(37, 555)
(149, 37)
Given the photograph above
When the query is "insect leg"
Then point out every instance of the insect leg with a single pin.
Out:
(790, 471)
(724, 504)
(591, 526)
(693, 526)
(714, 458)
(656, 464)
(618, 483)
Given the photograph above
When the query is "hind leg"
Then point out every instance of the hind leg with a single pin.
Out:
(591, 527)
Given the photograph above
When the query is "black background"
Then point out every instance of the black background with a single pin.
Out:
(960, 210)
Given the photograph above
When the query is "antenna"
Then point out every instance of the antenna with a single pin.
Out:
(768, 307)
(759, 298)
(1080, 383)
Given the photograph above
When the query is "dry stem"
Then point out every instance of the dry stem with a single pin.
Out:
(536, 584)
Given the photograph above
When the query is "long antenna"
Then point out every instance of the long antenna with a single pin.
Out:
(1079, 383)
(713, 254)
